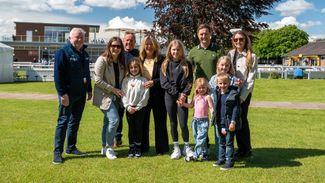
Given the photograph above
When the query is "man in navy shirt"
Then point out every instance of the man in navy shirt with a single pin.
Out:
(73, 85)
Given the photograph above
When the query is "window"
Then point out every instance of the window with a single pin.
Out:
(56, 34)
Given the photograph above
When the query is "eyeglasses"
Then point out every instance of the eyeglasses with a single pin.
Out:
(238, 39)
(116, 46)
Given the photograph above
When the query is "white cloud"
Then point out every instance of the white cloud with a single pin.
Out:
(69, 6)
(127, 23)
(293, 7)
(314, 37)
(116, 4)
(323, 10)
(293, 21)
(309, 24)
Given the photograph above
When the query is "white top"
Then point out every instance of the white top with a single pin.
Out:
(243, 73)
(136, 95)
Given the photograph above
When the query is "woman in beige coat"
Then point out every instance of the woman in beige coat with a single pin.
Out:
(109, 73)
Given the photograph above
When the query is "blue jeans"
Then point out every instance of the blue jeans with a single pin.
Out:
(110, 124)
(200, 132)
(226, 147)
(68, 123)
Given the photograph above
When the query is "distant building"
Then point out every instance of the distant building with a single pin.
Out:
(34, 42)
(311, 54)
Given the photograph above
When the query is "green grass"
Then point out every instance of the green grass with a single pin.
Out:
(289, 146)
(265, 89)
(289, 90)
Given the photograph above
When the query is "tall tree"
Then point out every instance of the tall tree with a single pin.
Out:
(180, 18)
(273, 44)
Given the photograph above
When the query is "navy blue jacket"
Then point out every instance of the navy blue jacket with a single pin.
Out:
(71, 71)
(228, 108)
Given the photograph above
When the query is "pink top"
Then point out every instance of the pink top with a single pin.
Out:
(201, 106)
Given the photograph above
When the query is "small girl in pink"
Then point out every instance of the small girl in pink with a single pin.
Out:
(201, 102)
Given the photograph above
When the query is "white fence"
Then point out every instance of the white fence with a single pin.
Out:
(40, 72)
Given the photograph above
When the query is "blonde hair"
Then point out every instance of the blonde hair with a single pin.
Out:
(201, 82)
(135, 61)
(155, 45)
(228, 61)
(247, 47)
(223, 77)
(169, 57)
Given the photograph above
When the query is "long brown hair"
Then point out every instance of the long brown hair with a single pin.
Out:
(107, 53)
(247, 47)
(169, 57)
(155, 46)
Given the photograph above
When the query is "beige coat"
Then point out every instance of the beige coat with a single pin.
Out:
(243, 73)
(105, 82)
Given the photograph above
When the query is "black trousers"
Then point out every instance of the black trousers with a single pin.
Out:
(135, 121)
(173, 111)
(243, 136)
(157, 105)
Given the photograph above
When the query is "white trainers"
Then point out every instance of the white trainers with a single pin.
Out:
(187, 151)
(110, 154)
(176, 153)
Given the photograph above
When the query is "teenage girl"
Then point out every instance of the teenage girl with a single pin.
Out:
(176, 79)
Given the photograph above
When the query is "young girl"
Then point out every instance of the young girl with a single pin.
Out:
(201, 102)
(176, 79)
(224, 66)
(135, 98)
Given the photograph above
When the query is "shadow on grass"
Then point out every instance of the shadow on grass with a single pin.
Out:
(278, 157)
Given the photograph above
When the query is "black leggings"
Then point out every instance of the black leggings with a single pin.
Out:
(173, 111)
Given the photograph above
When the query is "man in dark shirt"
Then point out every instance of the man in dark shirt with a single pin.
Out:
(73, 84)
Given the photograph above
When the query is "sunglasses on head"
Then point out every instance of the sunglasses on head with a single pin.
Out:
(116, 46)
(238, 39)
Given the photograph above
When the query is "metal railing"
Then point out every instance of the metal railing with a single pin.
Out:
(27, 71)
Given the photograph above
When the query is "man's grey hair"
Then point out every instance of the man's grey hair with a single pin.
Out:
(77, 29)
(132, 33)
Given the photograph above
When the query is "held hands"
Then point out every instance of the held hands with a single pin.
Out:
(118, 92)
(181, 99)
(148, 84)
(65, 100)
(232, 126)
(132, 110)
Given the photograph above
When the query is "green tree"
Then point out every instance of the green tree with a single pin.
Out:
(273, 44)
(180, 18)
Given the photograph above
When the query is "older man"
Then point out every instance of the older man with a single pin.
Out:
(73, 83)
(129, 53)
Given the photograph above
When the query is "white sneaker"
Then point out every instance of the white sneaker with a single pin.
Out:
(103, 151)
(176, 153)
(187, 151)
(110, 154)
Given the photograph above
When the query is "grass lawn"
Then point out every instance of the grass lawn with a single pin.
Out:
(289, 146)
(265, 89)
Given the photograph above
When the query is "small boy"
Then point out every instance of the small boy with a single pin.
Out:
(228, 118)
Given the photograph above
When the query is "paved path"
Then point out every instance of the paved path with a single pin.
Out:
(262, 104)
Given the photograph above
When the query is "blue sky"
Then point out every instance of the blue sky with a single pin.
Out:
(308, 15)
